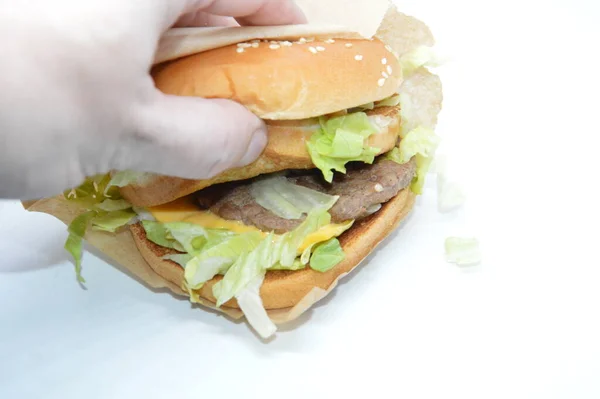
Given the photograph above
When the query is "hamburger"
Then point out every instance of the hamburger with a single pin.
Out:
(350, 139)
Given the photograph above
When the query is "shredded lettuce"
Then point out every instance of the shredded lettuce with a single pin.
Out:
(184, 237)
(288, 200)
(251, 304)
(158, 234)
(341, 140)
(463, 251)
(112, 221)
(326, 255)
(104, 210)
(218, 258)
(74, 243)
(420, 143)
(278, 251)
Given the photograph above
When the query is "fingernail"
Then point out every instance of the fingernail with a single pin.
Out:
(255, 147)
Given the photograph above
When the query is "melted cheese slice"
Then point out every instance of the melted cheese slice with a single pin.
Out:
(185, 210)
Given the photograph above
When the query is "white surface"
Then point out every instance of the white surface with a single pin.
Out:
(520, 122)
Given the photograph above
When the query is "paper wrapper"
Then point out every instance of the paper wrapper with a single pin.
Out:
(331, 19)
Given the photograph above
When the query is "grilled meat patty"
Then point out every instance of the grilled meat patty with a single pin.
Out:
(361, 191)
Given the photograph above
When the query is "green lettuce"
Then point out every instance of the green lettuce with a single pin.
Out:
(274, 251)
(251, 304)
(420, 143)
(104, 210)
(463, 251)
(74, 243)
(288, 200)
(341, 140)
(218, 258)
(326, 255)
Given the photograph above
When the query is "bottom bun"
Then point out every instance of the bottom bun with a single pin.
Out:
(285, 289)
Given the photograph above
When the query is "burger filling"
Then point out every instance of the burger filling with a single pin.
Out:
(360, 192)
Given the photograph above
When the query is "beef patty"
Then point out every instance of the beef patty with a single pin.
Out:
(361, 191)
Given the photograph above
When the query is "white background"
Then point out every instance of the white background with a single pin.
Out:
(520, 124)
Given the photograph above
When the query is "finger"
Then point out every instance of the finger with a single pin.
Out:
(203, 19)
(253, 12)
(192, 138)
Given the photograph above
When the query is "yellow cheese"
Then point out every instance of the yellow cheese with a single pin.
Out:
(185, 210)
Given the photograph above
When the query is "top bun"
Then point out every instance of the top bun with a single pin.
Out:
(283, 80)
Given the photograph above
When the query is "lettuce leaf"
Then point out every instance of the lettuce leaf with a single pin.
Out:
(112, 221)
(463, 251)
(420, 143)
(326, 255)
(74, 243)
(272, 252)
(218, 258)
(158, 234)
(341, 140)
(104, 210)
(251, 304)
(288, 200)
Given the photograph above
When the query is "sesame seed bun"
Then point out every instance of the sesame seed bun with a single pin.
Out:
(286, 149)
(284, 80)
(284, 289)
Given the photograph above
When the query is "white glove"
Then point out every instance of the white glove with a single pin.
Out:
(76, 98)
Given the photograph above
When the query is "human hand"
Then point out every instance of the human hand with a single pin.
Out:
(77, 99)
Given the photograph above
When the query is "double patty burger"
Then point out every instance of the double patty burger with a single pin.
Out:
(340, 171)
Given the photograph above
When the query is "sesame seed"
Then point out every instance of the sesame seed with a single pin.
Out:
(348, 45)
(385, 75)
(384, 61)
(244, 45)
(381, 82)
(274, 46)
(255, 41)
(389, 69)
(378, 187)
(320, 48)
(302, 40)
(287, 43)
(330, 41)
(255, 45)
(358, 57)
(240, 50)
(313, 50)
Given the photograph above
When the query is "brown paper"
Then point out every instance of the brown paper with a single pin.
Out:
(352, 19)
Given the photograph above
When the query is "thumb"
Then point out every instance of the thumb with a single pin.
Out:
(192, 137)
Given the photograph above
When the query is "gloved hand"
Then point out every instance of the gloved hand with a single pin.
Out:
(76, 98)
